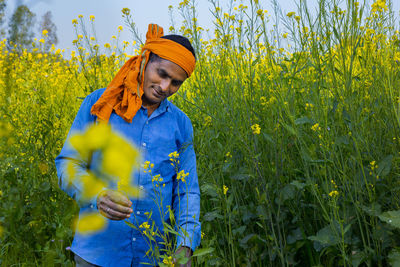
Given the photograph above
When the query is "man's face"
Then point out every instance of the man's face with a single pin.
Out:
(162, 78)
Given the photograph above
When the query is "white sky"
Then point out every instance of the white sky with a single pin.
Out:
(108, 14)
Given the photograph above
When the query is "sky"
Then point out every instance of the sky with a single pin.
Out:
(108, 14)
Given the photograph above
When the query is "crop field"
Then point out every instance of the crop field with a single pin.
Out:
(296, 121)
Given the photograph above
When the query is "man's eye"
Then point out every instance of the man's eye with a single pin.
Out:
(162, 74)
(176, 83)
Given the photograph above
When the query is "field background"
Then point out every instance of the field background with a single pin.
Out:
(296, 125)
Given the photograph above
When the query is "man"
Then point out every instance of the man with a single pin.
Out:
(135, 104)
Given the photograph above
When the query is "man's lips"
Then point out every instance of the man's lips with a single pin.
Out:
(158, 93)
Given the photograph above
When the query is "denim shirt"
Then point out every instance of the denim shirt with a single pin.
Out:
(167, 130)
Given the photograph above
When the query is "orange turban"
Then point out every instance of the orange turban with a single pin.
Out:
(124, 92)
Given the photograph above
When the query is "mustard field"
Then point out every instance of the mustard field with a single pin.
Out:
(296, 133)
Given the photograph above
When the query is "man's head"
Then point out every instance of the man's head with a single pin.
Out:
(162, 78)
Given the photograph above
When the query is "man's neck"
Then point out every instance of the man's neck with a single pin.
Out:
(150, 108)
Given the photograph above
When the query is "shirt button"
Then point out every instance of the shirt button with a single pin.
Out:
(147, 122)
(134, 239)
(138, 212)
(91, 206)
(141, 187)
(144, 144)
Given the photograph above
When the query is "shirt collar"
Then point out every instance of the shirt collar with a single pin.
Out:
(163, 107)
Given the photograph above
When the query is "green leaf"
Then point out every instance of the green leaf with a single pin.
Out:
(326, 237)
(212, 215)
(243, 241)
(303, 120)
(394, 257)
(298, 185)
(240, 176)
(239, 231)
(268, 138)
(289, 128)
(391, 217)
(295, 236)
(288, 192)
(183, 260)
(131, 225)
(384, 166)
(202, 252)
(357, 258)
(373, 210)
(209, 190)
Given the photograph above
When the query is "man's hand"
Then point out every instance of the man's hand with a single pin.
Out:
(114, 205)
(187, 252)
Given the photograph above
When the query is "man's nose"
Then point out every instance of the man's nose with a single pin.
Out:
(165, 83)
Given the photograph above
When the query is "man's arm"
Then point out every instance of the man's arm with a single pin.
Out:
(69, 158)
(110, 203)
(186, 195)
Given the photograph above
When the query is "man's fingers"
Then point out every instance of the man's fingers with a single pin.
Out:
(112, 214)
(119, 198)
(114, 205)
(119, 208)
(116, 214)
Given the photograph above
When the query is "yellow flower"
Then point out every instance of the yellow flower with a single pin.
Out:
(290, 14)
(156, 178)
(146, 165)
(316, 127)
(225, 188)
(91, 17)
(92, 38)
(43, 167)
(334, 193)
(207, 121)
(256, 128)
(91, 186)
(168, 261)
(44, 32)
(373, 165)
(182, 175)
(173, 155)
(80, 16)
(41, 41)
(120, 28)
(379, 6)
(126, 11)
(90, 222)
(119, 158)
(145, 225)
(74, 22)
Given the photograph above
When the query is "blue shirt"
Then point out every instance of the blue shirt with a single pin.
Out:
(167, 130)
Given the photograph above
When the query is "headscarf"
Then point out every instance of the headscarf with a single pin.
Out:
(123, 94)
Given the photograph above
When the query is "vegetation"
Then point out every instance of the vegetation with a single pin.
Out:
(297, 135)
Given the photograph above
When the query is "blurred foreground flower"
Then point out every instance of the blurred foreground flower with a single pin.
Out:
(90, 222)
(118, 160)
